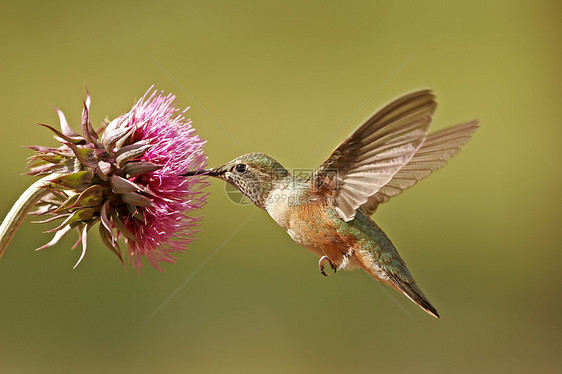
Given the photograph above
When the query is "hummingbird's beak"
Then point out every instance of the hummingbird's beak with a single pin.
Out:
(209, 172)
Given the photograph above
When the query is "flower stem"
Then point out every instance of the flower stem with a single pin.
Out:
(19, 211)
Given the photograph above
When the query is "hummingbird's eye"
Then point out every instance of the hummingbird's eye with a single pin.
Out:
(241, 168)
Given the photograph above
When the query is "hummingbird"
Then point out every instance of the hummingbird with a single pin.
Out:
(328, 212)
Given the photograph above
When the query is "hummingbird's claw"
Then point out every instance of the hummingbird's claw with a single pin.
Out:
(321, 265)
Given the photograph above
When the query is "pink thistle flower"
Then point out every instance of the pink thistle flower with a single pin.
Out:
(167, 227)
(129, 181)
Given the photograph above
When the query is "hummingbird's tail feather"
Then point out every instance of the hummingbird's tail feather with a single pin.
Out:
(414, 293)
(397, 277)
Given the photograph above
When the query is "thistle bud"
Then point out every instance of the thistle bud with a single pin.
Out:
(125, 177)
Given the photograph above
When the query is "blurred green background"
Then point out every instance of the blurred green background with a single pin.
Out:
(482, 236)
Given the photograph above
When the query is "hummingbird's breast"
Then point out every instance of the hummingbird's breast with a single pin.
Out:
(311, 221)
(306, 218)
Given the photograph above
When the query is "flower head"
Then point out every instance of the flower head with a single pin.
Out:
(126, 177)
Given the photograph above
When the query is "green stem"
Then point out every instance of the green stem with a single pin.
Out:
(19, 211)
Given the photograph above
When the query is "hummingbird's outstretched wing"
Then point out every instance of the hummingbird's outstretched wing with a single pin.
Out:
(375, 152)
(434, 153)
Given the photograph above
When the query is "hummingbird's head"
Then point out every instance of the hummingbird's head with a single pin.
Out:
(254, 174)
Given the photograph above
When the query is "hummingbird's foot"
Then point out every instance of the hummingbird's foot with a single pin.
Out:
(345, 259)
(321, 265)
